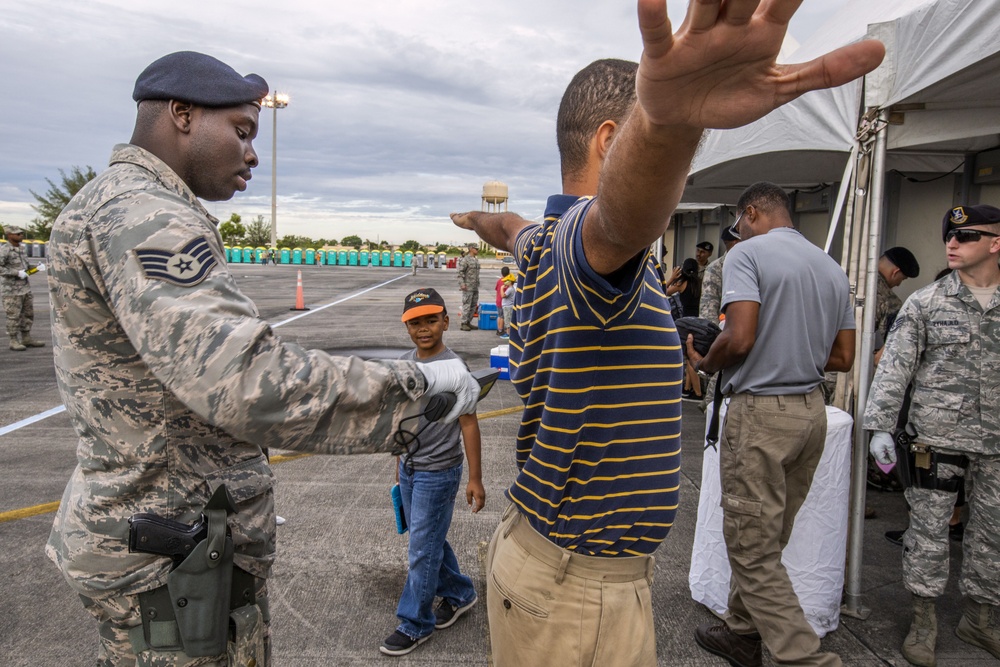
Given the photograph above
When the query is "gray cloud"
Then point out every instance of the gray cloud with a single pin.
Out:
(399, 111)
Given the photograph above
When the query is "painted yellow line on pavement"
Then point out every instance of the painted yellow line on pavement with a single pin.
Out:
(26, 512)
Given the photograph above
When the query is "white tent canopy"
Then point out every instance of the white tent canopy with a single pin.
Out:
(941, 63)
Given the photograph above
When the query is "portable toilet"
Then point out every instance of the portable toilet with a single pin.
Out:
(352, 258)
(236, 254)
(363, 257)
(310, 255)
(286, 256)
(376, 258)
(386, 258)
(247, 255)
(341, 258)
(260, 254)
(408, 258)
(296, 255)
(418, 257)
(397, 258)
(228, 253)
(442, 260)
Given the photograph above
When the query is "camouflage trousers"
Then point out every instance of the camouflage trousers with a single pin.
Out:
(118, 614)
(470, 299)
(926, 547)
(20, 312)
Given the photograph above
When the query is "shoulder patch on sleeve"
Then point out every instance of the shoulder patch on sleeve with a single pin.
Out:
(185, 268)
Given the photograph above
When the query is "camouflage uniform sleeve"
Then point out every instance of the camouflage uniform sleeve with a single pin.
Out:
(7, 267)
(205, 342)
(711, 293)
(903, 351)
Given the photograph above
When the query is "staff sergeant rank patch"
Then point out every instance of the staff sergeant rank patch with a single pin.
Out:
(186, 268)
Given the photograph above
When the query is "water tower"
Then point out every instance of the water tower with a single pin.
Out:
(494, 195)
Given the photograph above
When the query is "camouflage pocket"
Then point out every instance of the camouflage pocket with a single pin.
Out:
(246, 637)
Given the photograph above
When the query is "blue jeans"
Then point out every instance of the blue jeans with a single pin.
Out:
(428, 503)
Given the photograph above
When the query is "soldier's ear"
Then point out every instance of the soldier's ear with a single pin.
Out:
(180, 115)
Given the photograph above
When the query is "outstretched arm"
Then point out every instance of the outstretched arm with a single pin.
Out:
(717, 71)
(498, 229)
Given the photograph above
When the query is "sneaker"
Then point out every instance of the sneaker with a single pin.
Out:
(445, 614)
(504, 337)
(399, 644)
(895, 537)
(690, 396)
(739, 650)
(279, 520)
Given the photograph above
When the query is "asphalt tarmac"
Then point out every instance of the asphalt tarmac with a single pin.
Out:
(341, 565)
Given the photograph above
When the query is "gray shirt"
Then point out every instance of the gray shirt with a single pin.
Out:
(440, 444)
(804, 301)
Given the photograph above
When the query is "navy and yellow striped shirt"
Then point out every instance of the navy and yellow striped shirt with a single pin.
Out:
(599, 369)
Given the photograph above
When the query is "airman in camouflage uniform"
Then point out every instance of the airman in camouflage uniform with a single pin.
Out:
(18, 302)
(894, 266)
(945, 342)
(468, 283)
(169, 375)
(710, 306)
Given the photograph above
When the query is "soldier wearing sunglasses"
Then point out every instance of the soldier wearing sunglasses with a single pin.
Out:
(946, 343)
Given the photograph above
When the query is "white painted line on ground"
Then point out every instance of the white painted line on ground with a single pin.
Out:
(10, 428)
(31, 420)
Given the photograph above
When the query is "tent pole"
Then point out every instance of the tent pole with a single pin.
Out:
(842, 193)
(855, 537)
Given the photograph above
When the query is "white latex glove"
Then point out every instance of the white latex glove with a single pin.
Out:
(883, 447)
(452, 377)
(40, 266)
(22, 275)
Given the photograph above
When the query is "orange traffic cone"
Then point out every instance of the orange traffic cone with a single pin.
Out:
(300, 303)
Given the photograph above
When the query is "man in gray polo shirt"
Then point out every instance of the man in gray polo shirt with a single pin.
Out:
(789, 318)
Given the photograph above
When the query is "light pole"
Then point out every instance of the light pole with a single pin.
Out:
(275, 101)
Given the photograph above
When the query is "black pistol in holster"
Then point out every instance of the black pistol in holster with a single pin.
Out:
(190, 613)
(917, 464)
(904, 438)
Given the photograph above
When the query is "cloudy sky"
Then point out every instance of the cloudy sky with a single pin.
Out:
(400, 109)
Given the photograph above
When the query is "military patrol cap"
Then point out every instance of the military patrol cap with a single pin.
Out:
(13, 229)
(705, 245)
(422, 302)
(199, 79)
(961, 217)
(471, 245)
(904, 261)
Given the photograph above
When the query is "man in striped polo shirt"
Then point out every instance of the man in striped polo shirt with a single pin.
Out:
(594, 354)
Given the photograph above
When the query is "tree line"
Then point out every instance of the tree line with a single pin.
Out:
(256, 233)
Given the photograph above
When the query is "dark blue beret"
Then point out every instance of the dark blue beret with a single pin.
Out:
(727, 235)
(705, 245)
(198, 79)
(961, 217)
(904, 261)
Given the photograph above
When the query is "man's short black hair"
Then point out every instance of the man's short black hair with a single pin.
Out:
(765, 196)
(603, 90)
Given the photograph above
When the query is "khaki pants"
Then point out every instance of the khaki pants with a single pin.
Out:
(771, 446)
(548, 606)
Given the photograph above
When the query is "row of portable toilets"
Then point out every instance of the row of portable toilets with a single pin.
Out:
(238, 255)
